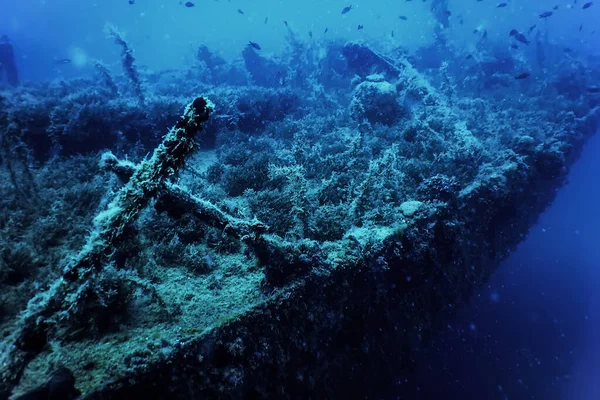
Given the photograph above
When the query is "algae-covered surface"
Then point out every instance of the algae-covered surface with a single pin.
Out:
(302, 238)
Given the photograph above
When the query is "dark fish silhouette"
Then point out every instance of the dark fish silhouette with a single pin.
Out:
(63, 61)
(131, 1)
(587, 5)
(555, 8)
(531, 28)
(346, 9)
(310, 34)
(266, 19)
(545, 14)
(254, 45)
(189, 4)
(580, 27)
(326, 30)
(501, 5)
(524, 75)
(360, 27)
(240, 11)
(593, 89)
(519, 36)
(403, 17)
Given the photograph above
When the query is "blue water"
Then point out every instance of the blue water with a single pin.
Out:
(165, 34)
(534, 331)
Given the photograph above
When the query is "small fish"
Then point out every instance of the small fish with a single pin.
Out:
(568, 50)
(501, 5)
(555, 8)
(131, 1)
(240, 11)
(346, 10)
(580, 27)
(514, 46)
(286, 24)
(266, 19)
(531, 28)
(189, 4)
(468, 57)
(392, 33)
(587, 5)
(326, 30)
(310, 34)
(254, 45)
(593, 89)
(63, 61)
(360, 27)
(519, 36)
(524, 75)
(403, 17)
(545, 14)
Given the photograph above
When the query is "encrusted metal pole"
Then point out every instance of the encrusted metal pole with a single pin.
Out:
(110, 227)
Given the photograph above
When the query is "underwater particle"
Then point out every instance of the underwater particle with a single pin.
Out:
(501, 5)
(63, 61)
(346, 9)
(254, 45)
(189, 4)
(524, 75)
(587, 5)
(494, 297)
(545, 14)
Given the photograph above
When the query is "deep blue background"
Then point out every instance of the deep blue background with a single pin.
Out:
(534, 331)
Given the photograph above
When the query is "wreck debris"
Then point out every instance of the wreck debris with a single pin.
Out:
(111, 227)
